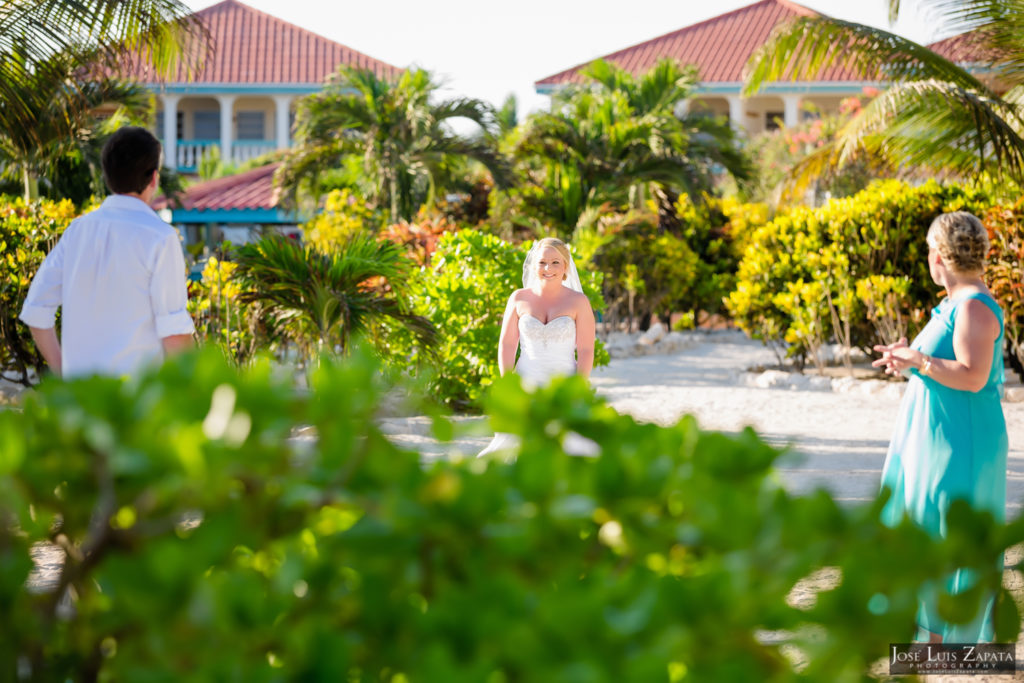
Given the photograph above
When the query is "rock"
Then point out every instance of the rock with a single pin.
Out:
(874, 387)
(676, 341)
(819, 384)
(798, 382)
(843, 385)
(653, 335)
(1014, 395)
(772, 379)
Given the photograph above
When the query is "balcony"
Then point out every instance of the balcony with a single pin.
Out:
(189, 153)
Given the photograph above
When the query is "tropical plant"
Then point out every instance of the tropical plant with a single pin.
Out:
(187, 536)
(784, 160)
(28, 231)
(464, 294)
(861, 257)
(401, 139)
(220, 317)
(40, 40)
(1003, 275)
(344, 216)
(645, 273)
(320, 300)
(66, 122)
(935, 114)
(604, 142)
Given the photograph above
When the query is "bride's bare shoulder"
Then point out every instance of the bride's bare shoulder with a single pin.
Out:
(520, 294)
(579, 299)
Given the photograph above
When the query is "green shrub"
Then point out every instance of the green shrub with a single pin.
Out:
(464, 295)
(319, 300)
(1004, 275)
(717, 231)
(28, 231)
(220, 318)
(846, 245)
(203, 545)
(645, 272)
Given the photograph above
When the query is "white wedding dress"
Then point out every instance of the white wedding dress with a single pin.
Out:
(546, 350)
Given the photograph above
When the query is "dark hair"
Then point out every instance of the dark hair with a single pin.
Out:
(129, 159)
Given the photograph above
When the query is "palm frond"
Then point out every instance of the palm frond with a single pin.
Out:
(801, 49)
(940, 125)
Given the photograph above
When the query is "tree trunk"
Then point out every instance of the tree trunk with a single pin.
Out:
(668, 219)
(31, 184)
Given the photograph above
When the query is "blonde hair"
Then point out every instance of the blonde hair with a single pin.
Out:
(560, 246)
(961, 240)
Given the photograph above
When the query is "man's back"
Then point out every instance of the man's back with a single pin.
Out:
(119, 276)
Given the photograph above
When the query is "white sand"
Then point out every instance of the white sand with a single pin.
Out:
(839, 439)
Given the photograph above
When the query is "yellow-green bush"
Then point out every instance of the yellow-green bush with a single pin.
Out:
(867, 251)
(28, 231)
(344, 216)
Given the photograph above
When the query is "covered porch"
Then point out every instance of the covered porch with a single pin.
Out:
(241, 126)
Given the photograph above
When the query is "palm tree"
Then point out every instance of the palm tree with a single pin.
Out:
(605, 142)
(320, 300)
(402, 139)
(41, 39)
(935, 114)
(64, 116)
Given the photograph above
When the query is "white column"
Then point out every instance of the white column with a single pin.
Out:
(227, 125)
(171, 131)
(681, 108)
(791, 107)
(737, 112)
(282, 111)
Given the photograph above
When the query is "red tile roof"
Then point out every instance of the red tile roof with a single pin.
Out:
(249, 46)
(719, 47)
(965, 48)
(250, 190)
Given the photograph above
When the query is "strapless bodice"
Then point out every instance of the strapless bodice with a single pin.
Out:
(546, 349)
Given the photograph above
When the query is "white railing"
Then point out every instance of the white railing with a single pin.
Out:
(190, 152)
(244, 150)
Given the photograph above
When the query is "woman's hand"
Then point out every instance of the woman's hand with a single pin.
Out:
(897, 357)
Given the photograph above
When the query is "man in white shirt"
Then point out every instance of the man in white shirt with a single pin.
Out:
(117, 274)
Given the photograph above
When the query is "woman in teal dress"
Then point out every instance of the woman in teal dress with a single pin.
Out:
(951, 440)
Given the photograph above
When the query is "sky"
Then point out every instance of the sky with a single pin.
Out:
(488, 49)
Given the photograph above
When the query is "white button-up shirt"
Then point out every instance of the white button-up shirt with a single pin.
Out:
(118, 275)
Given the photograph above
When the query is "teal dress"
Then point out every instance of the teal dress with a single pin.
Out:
(949, 444)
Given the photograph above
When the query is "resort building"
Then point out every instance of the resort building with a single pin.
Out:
(720, 47)
(243, 98)
(241, 101)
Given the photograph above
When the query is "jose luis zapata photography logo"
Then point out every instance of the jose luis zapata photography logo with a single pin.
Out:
(951, 658)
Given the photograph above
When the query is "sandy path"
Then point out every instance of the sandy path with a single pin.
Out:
(839, 439)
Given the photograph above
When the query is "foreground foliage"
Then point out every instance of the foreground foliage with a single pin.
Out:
(202, 543)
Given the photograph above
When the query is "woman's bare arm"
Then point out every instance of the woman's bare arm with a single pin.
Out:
(974, 334)
(508, 343)
(586, 331)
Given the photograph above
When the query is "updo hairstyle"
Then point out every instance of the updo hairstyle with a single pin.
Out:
(961, 240)
(559, 246)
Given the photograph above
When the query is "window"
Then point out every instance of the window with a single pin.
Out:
(179, 134)
(773, 120)
(250, 125)
(207, 124)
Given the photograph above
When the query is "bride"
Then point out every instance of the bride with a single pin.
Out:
(551, 323)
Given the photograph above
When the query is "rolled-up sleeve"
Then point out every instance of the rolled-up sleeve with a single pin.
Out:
(46, 291)
(167, 291)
